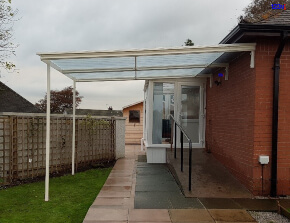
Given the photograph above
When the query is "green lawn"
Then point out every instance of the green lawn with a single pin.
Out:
(70, 198)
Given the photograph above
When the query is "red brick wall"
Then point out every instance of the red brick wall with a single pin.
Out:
(239, 118)
(230, 119)
(265, 53)
(284, 124)
(264, 59)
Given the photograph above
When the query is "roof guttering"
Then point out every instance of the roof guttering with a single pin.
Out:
(242, 28)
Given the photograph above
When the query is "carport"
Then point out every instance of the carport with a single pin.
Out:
(137, 64)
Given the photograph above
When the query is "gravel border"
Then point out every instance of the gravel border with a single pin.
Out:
(268, 217)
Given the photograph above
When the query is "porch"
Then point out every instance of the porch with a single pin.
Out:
(175, 86)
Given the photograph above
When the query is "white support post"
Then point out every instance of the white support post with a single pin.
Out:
(74, 130)
(47, 136)
(252, 65)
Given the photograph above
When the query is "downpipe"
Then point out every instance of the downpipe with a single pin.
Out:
(275, 116)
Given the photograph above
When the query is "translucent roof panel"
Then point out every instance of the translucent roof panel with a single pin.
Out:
(128, 75)
(145, 63)
(177, 60)
(172, 73)
(95, 63)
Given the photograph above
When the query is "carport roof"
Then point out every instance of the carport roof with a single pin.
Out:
(142, 64)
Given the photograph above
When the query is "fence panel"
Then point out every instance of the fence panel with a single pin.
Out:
(23, 140)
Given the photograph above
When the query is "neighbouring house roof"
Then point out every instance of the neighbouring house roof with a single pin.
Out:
(282, 17)
(93, 112)
(130, 105)
(10, 101)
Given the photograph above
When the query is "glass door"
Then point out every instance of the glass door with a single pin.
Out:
(163, 107)
(190, 112)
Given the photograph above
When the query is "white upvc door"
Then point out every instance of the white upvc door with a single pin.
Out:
(190, 113)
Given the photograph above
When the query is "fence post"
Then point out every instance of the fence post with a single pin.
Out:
(13, 149)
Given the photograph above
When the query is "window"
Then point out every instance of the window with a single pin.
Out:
(134, 116)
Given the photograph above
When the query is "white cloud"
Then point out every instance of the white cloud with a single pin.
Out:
(53, 25)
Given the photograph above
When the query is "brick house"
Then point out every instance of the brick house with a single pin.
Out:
(240, 122)
(241, 119)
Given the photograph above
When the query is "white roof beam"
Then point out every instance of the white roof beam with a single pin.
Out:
(237, 47)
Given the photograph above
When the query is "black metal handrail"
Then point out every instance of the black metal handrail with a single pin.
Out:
(182, 132)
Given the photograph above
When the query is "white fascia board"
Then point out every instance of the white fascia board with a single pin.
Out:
(236, 47)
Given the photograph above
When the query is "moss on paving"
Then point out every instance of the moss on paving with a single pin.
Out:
(70, 199)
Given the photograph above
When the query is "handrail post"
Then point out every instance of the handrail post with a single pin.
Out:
(190, 165)
(174, 139)
(181, 141)
(171, 134)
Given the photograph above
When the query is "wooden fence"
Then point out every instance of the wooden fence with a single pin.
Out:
(22, 145)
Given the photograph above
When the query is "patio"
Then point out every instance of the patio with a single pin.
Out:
(118, 199)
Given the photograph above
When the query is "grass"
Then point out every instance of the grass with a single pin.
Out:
(70, 198)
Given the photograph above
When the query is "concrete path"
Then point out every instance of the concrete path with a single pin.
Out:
(115, 202)
(208, 176)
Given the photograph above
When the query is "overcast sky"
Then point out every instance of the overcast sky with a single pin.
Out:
(70, 25)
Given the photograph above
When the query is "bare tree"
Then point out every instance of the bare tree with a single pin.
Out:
(7, 48)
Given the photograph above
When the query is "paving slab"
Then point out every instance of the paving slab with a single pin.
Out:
(119, 182)
(185, 203)
(111, 201)
(114, 194)
(150, 221)
(121, 171)
(155, 178)
(156, 187)
(120, 175)
(219, 203)
(190, 215)
(155, 181)
(116, 188)
(104, 221)
(102, 214)
(151, 215)
(149, 200)
(257, 204)
(233, 215)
